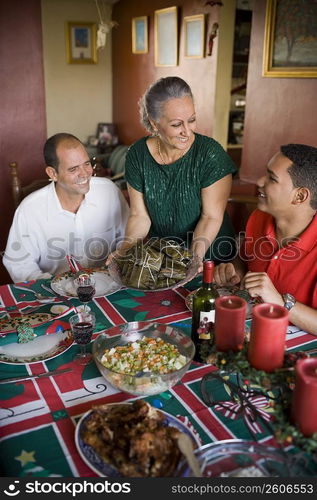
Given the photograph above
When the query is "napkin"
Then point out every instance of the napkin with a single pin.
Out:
(73, 265)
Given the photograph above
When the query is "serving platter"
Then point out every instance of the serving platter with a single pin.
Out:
(102, 468)
(63, 283)
(116, 275)
(226, 291)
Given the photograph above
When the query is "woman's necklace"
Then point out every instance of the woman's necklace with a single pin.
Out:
(161, 156)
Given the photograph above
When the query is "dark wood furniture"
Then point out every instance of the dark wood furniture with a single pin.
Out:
(18, 191)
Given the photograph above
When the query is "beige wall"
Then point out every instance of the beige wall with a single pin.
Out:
(199, 73)
(78, 96)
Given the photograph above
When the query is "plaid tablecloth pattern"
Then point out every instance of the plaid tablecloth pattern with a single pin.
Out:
(38, 416)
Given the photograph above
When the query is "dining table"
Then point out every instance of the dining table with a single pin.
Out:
(39, 414)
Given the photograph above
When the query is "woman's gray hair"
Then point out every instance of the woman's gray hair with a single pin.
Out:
(150, 104)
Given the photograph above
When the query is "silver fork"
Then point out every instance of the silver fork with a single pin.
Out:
(61, 297)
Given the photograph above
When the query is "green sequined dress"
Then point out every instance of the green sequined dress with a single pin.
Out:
(172, 193)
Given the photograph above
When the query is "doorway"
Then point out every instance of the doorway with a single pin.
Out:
(242, 33)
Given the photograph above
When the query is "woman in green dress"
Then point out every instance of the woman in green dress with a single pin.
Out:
(178, 181)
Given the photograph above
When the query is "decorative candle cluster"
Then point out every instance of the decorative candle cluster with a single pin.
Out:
(266, 351)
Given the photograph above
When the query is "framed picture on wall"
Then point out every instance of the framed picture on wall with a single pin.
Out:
(194, 29)
(165, 37)
(81, 43)
(139, 35)
(290, 41)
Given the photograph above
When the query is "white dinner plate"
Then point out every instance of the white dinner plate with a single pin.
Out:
(104, 469)
(105, 285)
(40, 349)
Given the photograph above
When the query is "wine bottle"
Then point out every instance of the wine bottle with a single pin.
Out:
(204, 311)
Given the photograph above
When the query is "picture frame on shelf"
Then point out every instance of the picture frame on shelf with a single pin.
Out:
(140, 35)
(290, 42)
(81, 43)
(194, 31)
(107, 134)
(165, 37)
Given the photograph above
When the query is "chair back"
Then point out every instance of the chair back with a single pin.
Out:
(18, 191)
(117, 159)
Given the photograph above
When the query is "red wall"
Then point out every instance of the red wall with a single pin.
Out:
(22, 102)
(278, 111)
(132, 73)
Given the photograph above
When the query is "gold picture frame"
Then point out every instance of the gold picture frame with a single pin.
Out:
(81, 40)
(289, 47)
(140, 35)
(194, 31)
(165, 37)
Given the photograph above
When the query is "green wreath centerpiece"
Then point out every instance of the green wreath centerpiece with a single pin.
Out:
(282, 381)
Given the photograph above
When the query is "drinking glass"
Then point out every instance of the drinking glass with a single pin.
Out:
(82, 325)
(85, 288)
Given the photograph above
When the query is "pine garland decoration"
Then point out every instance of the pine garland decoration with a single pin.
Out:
(281, 380)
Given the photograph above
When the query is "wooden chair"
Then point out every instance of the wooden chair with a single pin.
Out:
(18, 191)
(239, 208)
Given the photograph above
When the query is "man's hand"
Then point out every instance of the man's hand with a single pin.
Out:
(116, 253)
(225, 274)
(260, 285)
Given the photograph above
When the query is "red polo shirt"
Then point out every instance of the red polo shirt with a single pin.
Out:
(293, 268)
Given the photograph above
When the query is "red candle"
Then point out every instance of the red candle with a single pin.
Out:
(304, 402)
(230, 322)
(267, 339)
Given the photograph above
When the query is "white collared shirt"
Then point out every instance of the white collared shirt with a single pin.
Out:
(43, 233)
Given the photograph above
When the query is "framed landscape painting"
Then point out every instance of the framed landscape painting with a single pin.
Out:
(290, 42)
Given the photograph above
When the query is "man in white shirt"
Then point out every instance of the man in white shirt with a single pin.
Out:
(75, 214)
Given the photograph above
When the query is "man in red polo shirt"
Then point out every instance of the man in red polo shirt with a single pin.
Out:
(278, 257)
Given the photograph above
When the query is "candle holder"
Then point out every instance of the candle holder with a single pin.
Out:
(268, 334)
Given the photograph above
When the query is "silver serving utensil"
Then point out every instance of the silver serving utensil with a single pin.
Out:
(26, 310)
(185, 445)
(39, 375)
(39, 296)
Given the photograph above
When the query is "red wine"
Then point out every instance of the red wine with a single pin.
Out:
(204, 311)
(82, 332)
(85, 293)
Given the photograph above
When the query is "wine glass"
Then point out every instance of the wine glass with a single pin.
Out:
(82, 325)
(85, 288)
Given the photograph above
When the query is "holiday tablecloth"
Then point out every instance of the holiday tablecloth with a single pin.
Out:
(38, 416)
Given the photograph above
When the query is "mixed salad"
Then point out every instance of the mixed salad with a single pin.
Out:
(144, 355)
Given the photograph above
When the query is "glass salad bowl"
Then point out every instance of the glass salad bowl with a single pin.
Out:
(143, 358)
